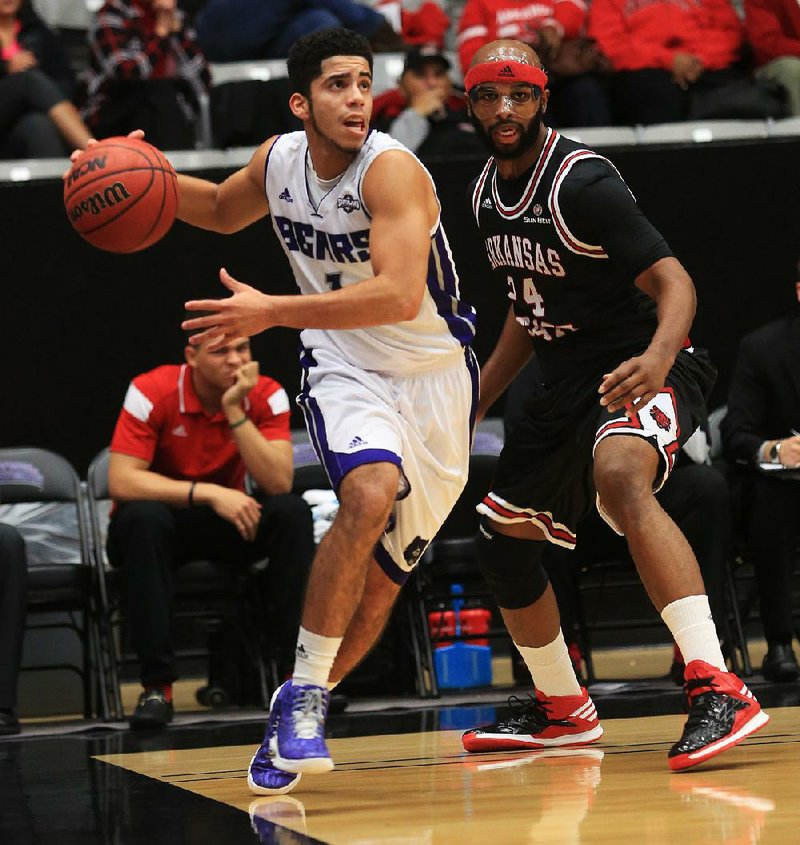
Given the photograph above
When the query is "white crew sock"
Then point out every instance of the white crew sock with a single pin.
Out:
(691, 624)
(551, 668)
(314, 658)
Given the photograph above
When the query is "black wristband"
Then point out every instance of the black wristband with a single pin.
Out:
(242, 421)
(191, 493)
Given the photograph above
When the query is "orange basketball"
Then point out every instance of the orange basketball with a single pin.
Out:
(121, 195)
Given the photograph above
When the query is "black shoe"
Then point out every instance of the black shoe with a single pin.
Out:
(780, 664)
(152, 711)
(722, 712)
(9, 723)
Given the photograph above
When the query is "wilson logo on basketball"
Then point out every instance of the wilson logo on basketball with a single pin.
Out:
(80, 170)
(99, 200)
(660, 418)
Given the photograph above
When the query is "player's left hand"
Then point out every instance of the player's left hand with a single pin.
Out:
(245, 313)
(246, 379)
(634, 382)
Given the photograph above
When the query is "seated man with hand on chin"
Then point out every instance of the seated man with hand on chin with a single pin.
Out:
(185, 438)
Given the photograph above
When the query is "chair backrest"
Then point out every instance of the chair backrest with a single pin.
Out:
(99, 504)
(715, 419)
(30, 474)
(309, 474)
(40, 493)
(97, 477)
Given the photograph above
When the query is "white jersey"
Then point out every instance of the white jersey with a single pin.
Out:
(328, 248)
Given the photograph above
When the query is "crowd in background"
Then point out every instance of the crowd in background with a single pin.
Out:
(145, 63)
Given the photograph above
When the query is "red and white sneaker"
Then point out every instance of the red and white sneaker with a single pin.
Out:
(722, 712)
(539, 722)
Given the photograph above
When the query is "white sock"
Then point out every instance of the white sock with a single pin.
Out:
(691, 624)
(551, 668)
(314, 658)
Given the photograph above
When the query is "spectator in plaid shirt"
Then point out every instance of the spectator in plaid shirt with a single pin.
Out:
(146, 71)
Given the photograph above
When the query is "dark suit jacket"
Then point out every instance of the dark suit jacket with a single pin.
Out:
(764, 396)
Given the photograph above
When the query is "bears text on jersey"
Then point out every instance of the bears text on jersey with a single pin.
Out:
(347, 247)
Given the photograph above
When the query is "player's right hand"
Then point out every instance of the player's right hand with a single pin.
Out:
(238, 508)
(136, 133)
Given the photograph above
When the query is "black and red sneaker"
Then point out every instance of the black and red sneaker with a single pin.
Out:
(722, 712)
(539, 722)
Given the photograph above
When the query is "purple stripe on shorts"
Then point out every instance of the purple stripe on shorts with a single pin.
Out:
(387, 564)
(342, 463)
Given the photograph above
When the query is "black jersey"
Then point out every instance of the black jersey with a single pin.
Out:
(566, 240)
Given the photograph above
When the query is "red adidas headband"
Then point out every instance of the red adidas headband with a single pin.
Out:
(509, 71)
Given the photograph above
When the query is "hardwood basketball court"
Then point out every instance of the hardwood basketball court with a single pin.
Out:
(421, 787)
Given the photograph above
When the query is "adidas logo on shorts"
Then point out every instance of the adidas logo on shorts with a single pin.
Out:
(356, 442)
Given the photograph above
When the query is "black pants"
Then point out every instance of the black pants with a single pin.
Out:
(651, 95)
(155, 105)
(25, 129)
(772, 532)
(13, 602)
(149, 539)
(696, 497)
(579, 100)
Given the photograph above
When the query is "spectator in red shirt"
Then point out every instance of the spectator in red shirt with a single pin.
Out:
(146, 71)
(185, 438)
(773, 30)
(554, 28)
(668, 55)
(425, 112)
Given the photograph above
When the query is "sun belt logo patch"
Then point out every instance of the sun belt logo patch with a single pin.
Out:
(660, 418)
(348, 203)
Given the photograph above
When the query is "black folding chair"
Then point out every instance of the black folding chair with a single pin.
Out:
(204, 592)
(44, 478)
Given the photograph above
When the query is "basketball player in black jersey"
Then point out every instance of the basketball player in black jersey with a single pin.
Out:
(599, 297)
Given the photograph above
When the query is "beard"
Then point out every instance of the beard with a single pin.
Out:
(527, 139)
(351, 150)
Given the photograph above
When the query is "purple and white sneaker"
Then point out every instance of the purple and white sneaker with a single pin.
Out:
(298, 743)
(263, 778)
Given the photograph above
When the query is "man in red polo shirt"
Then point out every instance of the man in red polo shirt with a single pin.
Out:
(184, 439)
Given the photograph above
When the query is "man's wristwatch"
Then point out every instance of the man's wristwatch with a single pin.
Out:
(775, 452)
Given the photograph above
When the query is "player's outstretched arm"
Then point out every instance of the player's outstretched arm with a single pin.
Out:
(639, 379)
(401, 201)
(230, 206)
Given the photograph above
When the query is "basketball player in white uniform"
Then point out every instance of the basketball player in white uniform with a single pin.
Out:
(389, 380)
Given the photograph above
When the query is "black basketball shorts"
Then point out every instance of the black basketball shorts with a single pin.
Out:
(544, 473)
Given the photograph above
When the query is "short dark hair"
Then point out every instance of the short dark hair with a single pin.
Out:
(308, 53)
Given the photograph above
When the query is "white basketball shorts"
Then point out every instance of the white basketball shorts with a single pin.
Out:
(420, 423)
